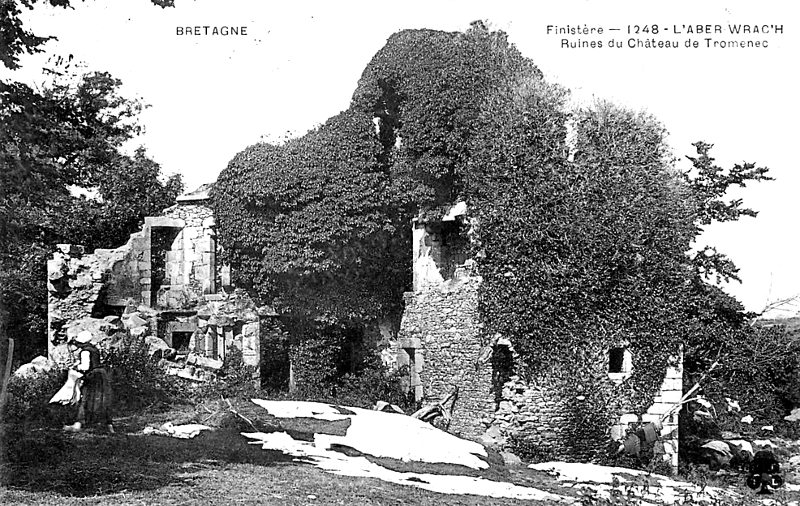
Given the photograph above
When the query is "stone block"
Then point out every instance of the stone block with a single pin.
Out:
(412, 342)
(163, 221)
(56, 268)
(133, 320)
(179, 326)
(71, 249)
(671, 396)
(208, 363)
(190, 233)
(139, 332)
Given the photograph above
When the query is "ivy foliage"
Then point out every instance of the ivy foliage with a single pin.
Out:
(320, 225)
(310, 224)
(585, 226)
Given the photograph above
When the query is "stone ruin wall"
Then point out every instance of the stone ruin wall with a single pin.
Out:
(536, 413)
(441, 340)
(161, 286)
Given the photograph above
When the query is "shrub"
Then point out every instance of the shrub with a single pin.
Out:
(374, 384)
(138, 380)
(235, 379)
(28, 399)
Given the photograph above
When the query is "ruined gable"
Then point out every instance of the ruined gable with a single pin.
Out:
(164, 286)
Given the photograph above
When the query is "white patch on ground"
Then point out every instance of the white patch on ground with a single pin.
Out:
(187, 431)
(290, 409)
(341, 464)
(390, 435)
(652, 488)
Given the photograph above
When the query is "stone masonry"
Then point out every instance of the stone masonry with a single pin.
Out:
(166, 281)
(442, 343)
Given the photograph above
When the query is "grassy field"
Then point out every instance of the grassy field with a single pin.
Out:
(48, 466)
(45, 465)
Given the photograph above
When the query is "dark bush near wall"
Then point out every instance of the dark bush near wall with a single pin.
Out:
(138, 380)
(28, 399)
(331, 363)
(274, 357)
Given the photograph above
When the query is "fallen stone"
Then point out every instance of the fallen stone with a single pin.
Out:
(510, 459)
(794, 416)
(26, 371)
(43, 363)
(764, 443)
(133, 320)
(70, 249)
(186, 431)
(208, 363)
(35, 367)
(740, 445)
(139, 332)
(716, 453)
(492, 436)
(155, 346)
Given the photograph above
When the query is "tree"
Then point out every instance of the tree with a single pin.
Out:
(306, 224)
(68, 135)
(15, 39)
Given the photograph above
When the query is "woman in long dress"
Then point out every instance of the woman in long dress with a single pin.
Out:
(96, 394)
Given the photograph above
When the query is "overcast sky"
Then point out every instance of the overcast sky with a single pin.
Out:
(211, 96)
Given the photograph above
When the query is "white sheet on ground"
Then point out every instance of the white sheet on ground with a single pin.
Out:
(382, 434)
(647, 486)
(341, 464)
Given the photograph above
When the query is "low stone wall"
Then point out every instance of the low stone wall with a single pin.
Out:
(536, 420)
(663, 413)
(539, 421)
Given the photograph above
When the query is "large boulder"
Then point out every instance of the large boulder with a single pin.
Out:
(35, 367)
(158, 348)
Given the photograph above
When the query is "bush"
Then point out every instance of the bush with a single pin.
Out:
(374, 384)
(28, 399)
(235, 380)
(138, 380)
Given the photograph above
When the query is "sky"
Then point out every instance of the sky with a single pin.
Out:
(298, 64)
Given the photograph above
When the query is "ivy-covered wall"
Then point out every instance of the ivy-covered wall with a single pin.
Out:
(572, 410)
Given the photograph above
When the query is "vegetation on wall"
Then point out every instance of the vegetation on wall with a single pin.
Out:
(585, 231)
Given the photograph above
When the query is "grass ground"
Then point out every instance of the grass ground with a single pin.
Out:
(48, 466)
(45, 465)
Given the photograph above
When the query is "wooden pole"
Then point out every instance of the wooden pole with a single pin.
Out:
(6, 376)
